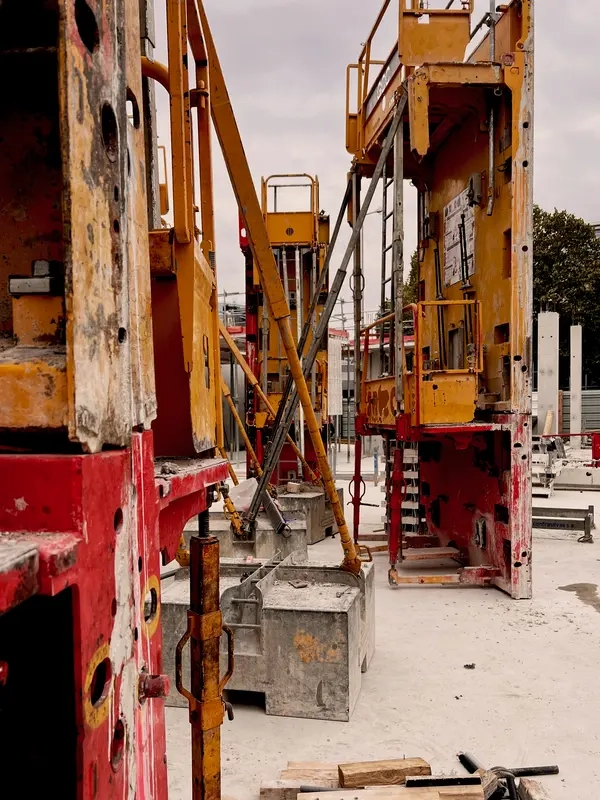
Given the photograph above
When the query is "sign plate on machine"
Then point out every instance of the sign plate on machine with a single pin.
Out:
(458, 213)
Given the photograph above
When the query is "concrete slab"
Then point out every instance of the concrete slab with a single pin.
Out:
(533, 696)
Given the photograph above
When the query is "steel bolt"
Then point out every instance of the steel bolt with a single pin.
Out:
(153, 686)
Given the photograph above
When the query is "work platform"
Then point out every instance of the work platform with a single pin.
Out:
(304, 632)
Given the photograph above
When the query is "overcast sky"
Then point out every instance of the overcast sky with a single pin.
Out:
(284, 63)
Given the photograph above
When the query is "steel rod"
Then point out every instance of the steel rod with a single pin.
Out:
(205, 666)
(299, 305)
(398, 267)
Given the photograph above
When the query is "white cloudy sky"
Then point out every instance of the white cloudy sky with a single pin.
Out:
(284, 63)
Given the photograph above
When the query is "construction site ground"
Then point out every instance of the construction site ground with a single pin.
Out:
(532, 696)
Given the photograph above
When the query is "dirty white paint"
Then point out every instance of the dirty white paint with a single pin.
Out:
(20, 503)
(454, 212)
(121, 643)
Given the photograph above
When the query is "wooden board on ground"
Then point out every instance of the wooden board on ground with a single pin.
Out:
(359, 774)
(532, 790)
(400, 793)
(429, 553)
(311, 773)
(284, 789)
(312, 765)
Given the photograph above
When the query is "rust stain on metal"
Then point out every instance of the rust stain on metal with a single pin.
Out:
(310, 649)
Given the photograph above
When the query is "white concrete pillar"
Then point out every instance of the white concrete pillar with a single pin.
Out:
(547, 416)
(575, 384)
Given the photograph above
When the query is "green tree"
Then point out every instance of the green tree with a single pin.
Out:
(411, 284)
(566, 278)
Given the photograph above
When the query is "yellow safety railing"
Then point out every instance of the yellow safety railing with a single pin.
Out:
(447, 355)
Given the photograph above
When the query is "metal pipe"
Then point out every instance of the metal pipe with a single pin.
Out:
(313, 323)
(232, 435)
(286, 289)
(531, 772)
(240, 425)
(357, 298)
(156, 71)
(230, 469)
(265, 343)
(378, 322)
(492, 30)
(382, 309)
(322, 327)
(492, 121)
(299, 304)
(398, 267)
(357, 290)
(348, 402)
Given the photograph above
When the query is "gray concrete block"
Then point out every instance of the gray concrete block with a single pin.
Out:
(265, 544)
(304, 633)
(313, 503)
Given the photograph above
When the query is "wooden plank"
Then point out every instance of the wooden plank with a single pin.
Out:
(312, 773)
(326, 780)
(400, 793)
(532, 790)
(377, 773)
(280, 790)
(429, 553)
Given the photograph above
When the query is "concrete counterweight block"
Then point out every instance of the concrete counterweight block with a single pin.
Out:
(304, 633)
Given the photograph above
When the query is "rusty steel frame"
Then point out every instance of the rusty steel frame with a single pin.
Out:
(498, 76)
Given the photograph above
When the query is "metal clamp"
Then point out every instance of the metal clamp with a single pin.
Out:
(205, 627)
(179, 665)
(365, 554)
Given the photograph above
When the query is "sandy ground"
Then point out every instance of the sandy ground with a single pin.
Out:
(533, 697)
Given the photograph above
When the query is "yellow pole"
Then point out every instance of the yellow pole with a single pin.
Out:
(240, 424)
(254, 382)
(230, 469)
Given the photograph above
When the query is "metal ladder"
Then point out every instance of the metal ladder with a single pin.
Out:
(411, 515)
(387, 275)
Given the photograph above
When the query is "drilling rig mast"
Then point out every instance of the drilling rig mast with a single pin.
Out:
(455, 414)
